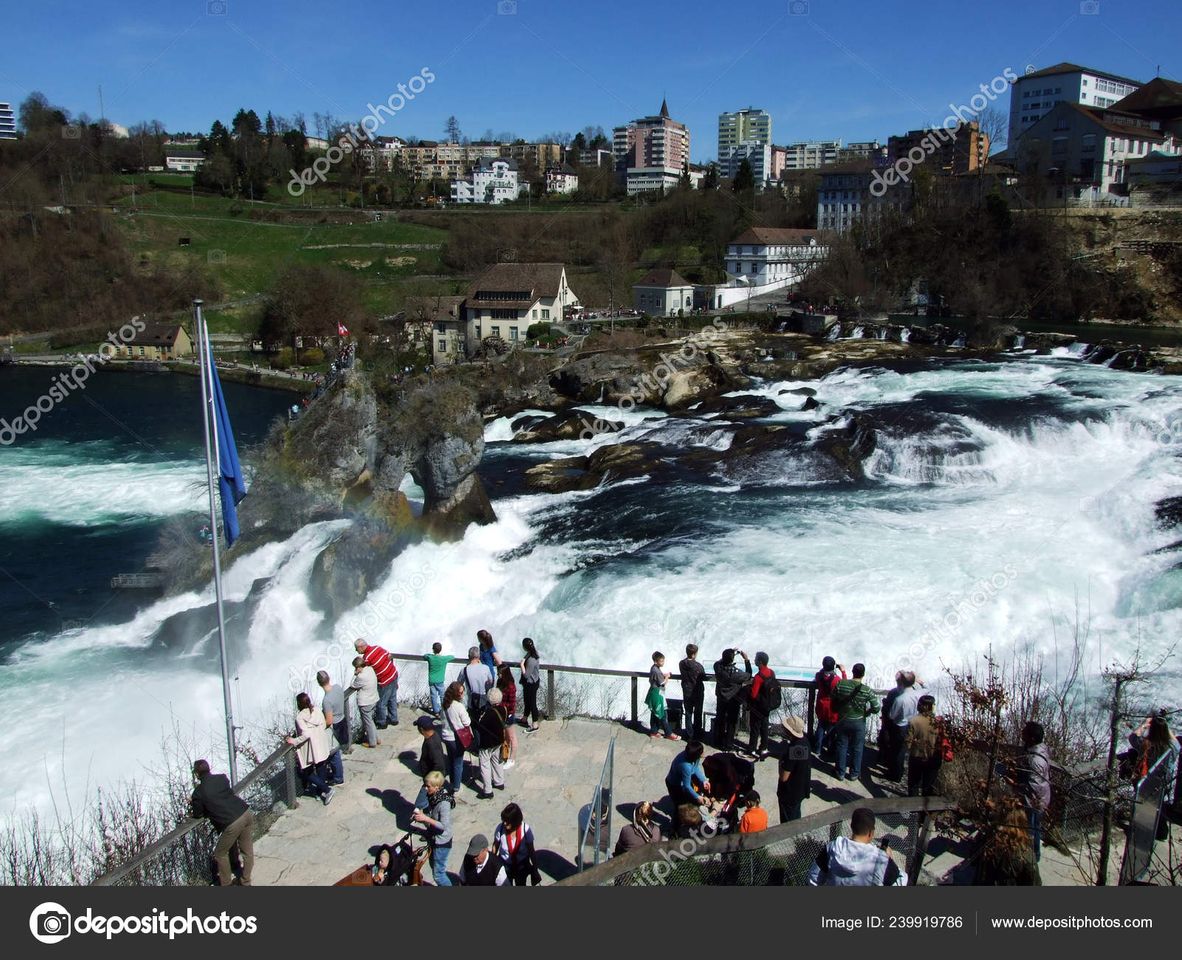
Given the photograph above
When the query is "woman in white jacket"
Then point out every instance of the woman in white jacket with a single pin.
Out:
(314, 745)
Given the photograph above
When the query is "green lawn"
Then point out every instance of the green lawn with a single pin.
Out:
(236, 243)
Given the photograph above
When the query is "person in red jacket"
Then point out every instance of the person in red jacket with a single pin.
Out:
(386, 713)
(826, 679)
(761, 706)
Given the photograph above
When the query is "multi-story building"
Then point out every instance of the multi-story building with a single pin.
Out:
(651, 152)
(491, 181)
(183, 159)
(779, 163)
(7, 122)
(844, 195)
(561, 180)
(870, 150)
(764, 259)
(749, 126)
(533, 156)
(1083, 152)
(507, 297)
(811, 155)
(593, 158)
(758, 155)
(964, 149)
(1034, 95)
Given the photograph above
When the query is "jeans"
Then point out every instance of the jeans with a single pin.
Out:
(789, 811)
(693, 712)
(387, 712)
(921, 776)
(340, 729)
(1035, 818)
(436, 690)
(371, 731)
(656, 723)
(821, 734)
(894, 759)
(311, 775)
(759, 730)
(492, 771)
(337, 766)
(851, 739)
(439, 854)
(238, 832)
(728, 722)
(455, 753)
(530, 693)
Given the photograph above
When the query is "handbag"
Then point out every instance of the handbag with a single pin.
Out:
(463, 735)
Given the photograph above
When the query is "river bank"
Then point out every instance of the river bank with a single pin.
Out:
(235, 373)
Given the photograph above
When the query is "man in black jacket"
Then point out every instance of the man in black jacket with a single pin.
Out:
(730, 682)
(480, 867)
(693, 692)
(231, 817)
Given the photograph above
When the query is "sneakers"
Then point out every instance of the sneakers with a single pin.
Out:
(327, 798)
(672, 736)
(498, 786)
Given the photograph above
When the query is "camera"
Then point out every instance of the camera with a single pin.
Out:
(53, 924)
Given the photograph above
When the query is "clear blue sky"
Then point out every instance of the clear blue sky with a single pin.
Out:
(824, 69)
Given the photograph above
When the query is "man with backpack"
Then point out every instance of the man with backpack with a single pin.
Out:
(826, 679)
(477, 680)
(729, 682)
(853, 701)
(766, 697)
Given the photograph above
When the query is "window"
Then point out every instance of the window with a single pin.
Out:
(496, 331)
(1088, 143)
(512, 333)
(545, 313)
(1059, 145)
(443, 346)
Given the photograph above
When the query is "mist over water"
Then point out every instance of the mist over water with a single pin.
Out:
(1002, 500)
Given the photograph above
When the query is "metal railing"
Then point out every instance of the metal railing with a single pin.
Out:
(595, 833)
(183, 856)
(779, 856)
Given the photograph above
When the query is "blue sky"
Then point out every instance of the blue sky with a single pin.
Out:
(849, 69)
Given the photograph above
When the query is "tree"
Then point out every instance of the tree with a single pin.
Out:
(684, 182)
(451, 129)
(309, 301)
(37, 113)
(744, 178)
(710, 181)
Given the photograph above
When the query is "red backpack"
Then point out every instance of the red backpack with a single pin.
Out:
(825, 686)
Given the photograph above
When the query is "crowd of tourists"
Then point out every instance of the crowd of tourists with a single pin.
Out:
(472, 723)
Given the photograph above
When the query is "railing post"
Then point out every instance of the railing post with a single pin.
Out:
(550, 698)
(289, 772)
(920, 849)
(635, 701)
(811, 718)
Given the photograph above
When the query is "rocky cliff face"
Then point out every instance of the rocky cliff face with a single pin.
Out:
(346, 457)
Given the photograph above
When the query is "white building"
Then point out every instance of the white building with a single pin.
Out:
(7, 122)
(182, 161)
(1033, 95)
(491, 181)
(811, 155)
(763, 259)
(1083, 153)
(561, 180)
(507, 297)
(758, 154)
(663, 293)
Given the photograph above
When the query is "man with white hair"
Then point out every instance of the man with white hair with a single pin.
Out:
(490, 729)
(386, 713)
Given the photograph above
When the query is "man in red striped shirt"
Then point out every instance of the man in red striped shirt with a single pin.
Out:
(386, 713)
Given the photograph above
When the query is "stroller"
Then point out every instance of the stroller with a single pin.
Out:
(399, 864)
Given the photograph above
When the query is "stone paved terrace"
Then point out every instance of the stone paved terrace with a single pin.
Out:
(554, 777)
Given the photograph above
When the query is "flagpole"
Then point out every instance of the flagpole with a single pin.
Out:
(207, 419)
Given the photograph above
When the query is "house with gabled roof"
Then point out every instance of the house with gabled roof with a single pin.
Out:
(506, 298)
(663, 292)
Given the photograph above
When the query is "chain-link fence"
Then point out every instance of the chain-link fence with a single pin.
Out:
(184, 856)
(779, 856)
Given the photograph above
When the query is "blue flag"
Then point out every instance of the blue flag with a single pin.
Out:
(230, 480)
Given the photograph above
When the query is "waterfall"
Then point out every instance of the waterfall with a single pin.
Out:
(858, 333)
(1019, 341)
(881, 333)
(905, 335)
(959, 341)
(835, 331)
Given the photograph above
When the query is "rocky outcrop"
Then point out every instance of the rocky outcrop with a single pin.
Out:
(566, 426)
(617, 461)
(737, 408)
(671, 379)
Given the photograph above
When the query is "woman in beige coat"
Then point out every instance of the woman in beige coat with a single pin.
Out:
(313, 746)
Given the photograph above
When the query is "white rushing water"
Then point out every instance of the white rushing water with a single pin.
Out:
(1025, 498)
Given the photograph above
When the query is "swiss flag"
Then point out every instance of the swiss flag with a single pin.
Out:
(342, 330)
